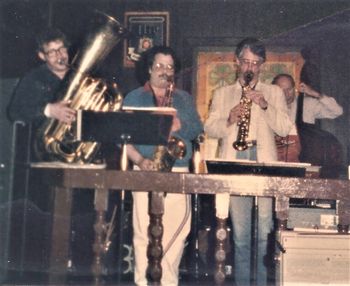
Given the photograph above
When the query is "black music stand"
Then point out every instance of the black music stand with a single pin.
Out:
(146, 127)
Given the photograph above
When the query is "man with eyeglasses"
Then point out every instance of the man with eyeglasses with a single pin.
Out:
(158, 66)
(268, 115)
(35, 97)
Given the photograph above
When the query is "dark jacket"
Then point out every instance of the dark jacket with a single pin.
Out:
(39, 87)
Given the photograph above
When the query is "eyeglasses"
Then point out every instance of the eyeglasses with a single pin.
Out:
(247, 62)
(160, 66)
(53, 52)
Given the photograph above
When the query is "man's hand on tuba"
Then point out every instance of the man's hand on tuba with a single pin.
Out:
(60, 111)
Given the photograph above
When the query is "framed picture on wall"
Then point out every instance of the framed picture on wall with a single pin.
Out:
(147, 29)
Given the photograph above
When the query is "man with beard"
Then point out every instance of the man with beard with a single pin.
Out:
(34, 98)
(268, 116)
(160, 66)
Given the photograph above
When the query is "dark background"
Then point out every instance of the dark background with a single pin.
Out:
(320, 26)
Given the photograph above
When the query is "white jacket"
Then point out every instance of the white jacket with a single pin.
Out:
(268, 122)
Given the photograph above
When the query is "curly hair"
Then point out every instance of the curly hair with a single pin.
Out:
(147, 59)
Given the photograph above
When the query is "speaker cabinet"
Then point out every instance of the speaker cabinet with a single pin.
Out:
(317, 218)
(310, 258)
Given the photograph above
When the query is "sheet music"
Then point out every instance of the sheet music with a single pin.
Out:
(163, 110)
(267, 164)
(61, 165)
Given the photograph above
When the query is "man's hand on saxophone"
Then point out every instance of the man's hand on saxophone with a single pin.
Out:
(235, 114)
(143, 163)
(146, 164)
(257, 97)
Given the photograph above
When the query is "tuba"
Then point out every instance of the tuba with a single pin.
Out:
(164, 157)
(243, 124)
(56, 140)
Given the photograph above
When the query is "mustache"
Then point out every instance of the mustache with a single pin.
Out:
(169, 78)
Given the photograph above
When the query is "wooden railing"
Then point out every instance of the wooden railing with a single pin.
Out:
(64, 180)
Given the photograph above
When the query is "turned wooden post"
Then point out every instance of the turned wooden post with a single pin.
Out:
(101, 203)
(155, 231)
(220, 251)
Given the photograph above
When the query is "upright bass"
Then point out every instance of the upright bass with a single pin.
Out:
(318, 147)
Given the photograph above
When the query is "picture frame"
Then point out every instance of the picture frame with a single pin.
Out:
(147, 29)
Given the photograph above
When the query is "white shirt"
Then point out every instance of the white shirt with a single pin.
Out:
(314, 108)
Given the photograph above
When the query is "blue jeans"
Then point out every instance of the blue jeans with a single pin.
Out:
(241, 216)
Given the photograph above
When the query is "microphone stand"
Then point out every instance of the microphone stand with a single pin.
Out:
(196, 170)
(254, 242)
(124, 164)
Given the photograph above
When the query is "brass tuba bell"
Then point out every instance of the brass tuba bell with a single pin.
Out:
(55, 140)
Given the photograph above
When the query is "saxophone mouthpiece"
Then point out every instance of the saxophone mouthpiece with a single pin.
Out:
(168, 78)
(248, 77)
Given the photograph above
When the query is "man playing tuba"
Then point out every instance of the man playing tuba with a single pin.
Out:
(34, 98)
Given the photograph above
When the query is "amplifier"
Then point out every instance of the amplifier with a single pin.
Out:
(314, 258)
(317, 214)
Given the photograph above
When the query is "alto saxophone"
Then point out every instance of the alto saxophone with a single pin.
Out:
(164, 157)
(243, 124)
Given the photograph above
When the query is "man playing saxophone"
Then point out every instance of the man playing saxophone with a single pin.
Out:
(160, 65)
(267, 115)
